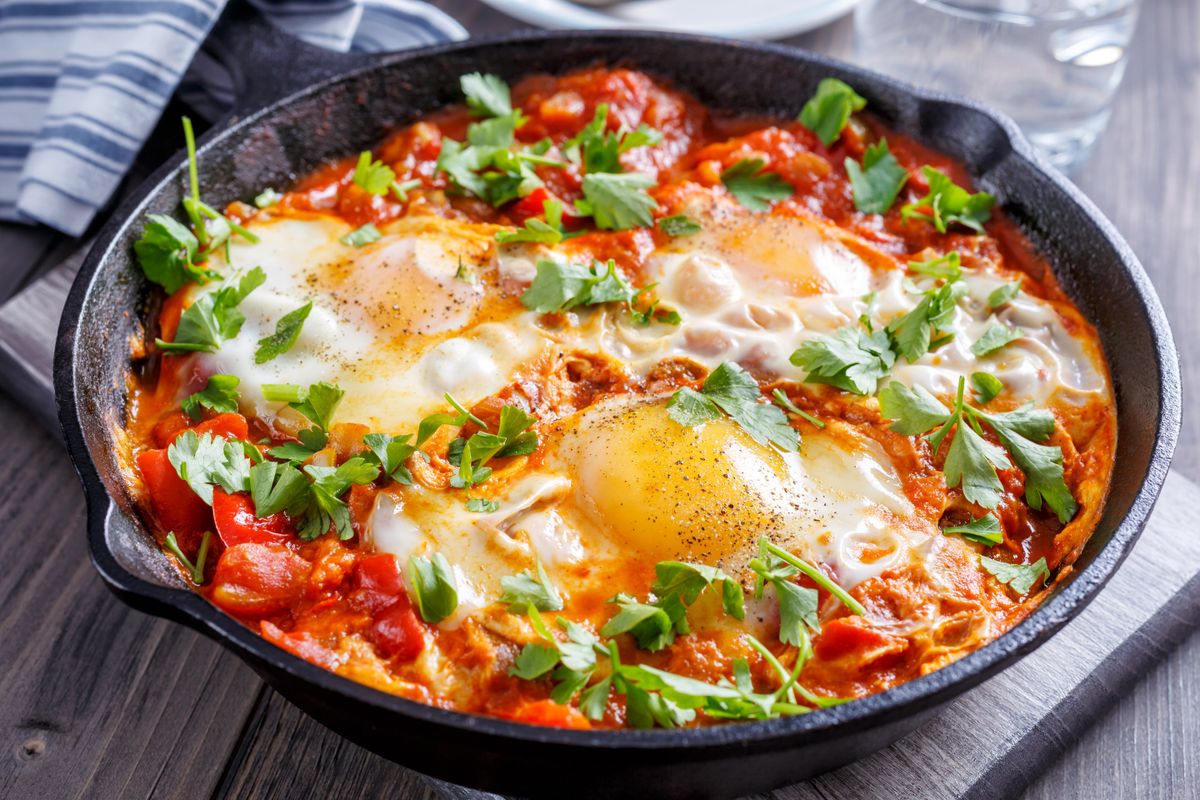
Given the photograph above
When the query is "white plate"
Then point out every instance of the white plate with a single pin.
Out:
(744, 19)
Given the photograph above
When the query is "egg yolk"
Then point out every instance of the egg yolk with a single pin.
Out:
(669, 492)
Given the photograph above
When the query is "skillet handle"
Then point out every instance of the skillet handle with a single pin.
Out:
(266, 63)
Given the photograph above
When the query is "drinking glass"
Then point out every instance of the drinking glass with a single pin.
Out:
(1052, 65)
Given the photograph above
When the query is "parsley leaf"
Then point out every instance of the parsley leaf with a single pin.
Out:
(276, 487)
(797, 604)
(878, 181)
(766, 548)
(486, 165)
(167, 252)
(734, 391)
(561, 287)
(1020, 431)
(851, 359)
(534, 661)
(1003, 294)
(326, 507)
(432, 584)
(287, 329)
(649, 624)
(986, 385)
(679, 225)
(530, 588)
(828, 111)
(205, 461)
(487, 95)
(1021, 577)
(947, 202)
(548, 231)
(618, 202)
(319, 402)
(377, 178)
(213, 317)
(678, 584)
(752, 187)
(971, 460)
(912, 333)
(391, 453)
(361, 236)
(598, 150)
(995, 337)
(985, 529)
(219, 394)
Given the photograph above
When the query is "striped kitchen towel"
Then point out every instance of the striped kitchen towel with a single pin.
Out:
(83, 82)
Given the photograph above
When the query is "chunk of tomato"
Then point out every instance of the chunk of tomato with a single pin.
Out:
(301, 644)
(397, 633)
(237, 523)
(378, 581)
(846, 636)
(178, 508)
(551, 715)
(254, 580)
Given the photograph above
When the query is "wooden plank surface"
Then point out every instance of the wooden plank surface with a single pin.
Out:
(102, 702)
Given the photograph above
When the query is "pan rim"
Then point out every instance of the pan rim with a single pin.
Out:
(925, 692)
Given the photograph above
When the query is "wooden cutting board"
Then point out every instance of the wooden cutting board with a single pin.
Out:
(988, 744)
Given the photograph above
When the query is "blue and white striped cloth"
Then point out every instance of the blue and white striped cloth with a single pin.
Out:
(83, 82)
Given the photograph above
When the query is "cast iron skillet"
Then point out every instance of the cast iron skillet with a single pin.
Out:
(270, 142)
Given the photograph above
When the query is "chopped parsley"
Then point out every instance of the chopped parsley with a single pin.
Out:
(278, 486)
(985, 529)
(431, 583)
(325, 508)
(618, 202)
(971, 461)
(679, 225)
(362, 236)
(530, 588)
(287, 330)
(213, 317)
(1004, 294)
(797, 604)
(487, 95)
(987, 387)
(912, 334)
(317, 403)
(994, 338)
(754, 188)
(204, 461)
(1020, 577)
(766, 548)
(598, 149)
(547, 231)
(391, 453)
(852, 359)
(731, 389)
(947, 203)
(167, 254)
(560, 287)
(487, 166)
(377, 178)
(219, 395)
(878, 181)
(828, 111)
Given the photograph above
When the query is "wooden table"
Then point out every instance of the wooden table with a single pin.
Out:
(99, 701)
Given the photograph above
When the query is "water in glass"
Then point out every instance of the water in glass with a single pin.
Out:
(1052, 65)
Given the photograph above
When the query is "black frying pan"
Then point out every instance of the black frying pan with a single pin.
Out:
(269, 142)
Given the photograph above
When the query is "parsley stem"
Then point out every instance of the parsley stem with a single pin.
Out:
(212, 213)
(459, 408)
(788, 679)
(196, 569)
(818, 577)
(194, 184)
